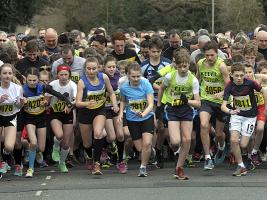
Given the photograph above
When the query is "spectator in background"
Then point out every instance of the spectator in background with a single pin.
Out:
(175, 43)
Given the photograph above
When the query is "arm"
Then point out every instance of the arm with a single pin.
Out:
(50, 90)
(227, 110)
(79, 102)
(111, 93)
(122, 106)
(195, 102)
(160, 94)
(149, 108)
(226, 78)
(264, 92)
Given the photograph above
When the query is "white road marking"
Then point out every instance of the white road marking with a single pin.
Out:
(38, 193)
(48, 178)
(43, 184)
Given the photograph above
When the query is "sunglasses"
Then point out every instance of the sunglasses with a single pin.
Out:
(45, 68)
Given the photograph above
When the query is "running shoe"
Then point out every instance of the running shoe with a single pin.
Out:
(256, 159)
(107, 165)
(250, 166)
(264, 157)
(18, 170)
(240, 171)
(29, 173)
(55, 154)
(70, 161)
(220, 156)
(4, 167)
(43, 164)
(179, 174)
(122, 167)
(189, 162)
(208, 165)
(62, 167)
(142, 172)
(97, 169)
(89, 163)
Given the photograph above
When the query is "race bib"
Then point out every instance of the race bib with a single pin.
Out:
(59, 106)
(137, 106)
(75, 77)
(7, 108)
(243, 103)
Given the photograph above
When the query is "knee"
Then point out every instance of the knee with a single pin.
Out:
(147, 145)
(98, 134)
(204, 128)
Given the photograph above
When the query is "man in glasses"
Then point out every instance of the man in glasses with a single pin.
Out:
(31, 59)
(3, 38)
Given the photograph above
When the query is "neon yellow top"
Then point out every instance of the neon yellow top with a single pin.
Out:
(212, 81)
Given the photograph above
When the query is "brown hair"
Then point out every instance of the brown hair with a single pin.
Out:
(237, 67)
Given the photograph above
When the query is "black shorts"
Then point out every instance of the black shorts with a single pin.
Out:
(6, 121)
(137, 128)
(110, 114)
(214, 109)
(38, 120)
(179, 113)
(87, 116)
(63, 117)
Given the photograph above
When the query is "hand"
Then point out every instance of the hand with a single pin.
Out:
(44, 103)
(234, 112)
(91, 103)
(140, 114)
(67, 109)
(115, 109)
(184, 99)
(158, 111)
(218, 95)
(3, 98)
(23, 100)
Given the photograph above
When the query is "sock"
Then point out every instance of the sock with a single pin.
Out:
(56, 143)
(189, 156)
(207, 157)
(221, 148)
(241, 164)
(17, 156)
(6, 156)
(88, 151)
(63, 154)
(254, 151)
(249, 155)
(32, 155)
(142, 166)
(98, 146)
(120, 146)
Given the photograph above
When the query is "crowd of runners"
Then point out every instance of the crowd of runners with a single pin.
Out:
(150, 96)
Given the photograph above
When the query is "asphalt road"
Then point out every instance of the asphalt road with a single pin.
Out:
(79, 184)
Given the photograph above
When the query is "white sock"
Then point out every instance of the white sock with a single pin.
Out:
(56, 143)
(142, 166)
(241, 164)
(207, 157)
(221, 148)
(249, 155)
(63, 154)
(254, 151)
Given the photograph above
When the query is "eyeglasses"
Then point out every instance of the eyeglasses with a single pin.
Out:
(45, 68)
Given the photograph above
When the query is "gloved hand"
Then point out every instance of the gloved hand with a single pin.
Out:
(184, 99)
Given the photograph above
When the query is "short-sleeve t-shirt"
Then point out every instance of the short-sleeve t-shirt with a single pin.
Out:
(136, 99)
(243, 97)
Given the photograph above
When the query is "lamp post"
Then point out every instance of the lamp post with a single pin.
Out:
(212, 16)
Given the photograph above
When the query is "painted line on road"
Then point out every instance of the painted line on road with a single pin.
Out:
(38, 193)
(43, 184)
(48, 178)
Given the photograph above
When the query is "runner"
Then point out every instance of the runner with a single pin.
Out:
(11, 101)
(90, 100)
(62, 116)
(137, 96)
(113, 127)
(182, 92)
(244, 115)
(213, 75)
